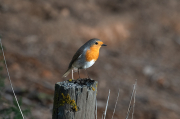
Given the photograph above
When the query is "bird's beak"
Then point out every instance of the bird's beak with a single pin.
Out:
(103, 45)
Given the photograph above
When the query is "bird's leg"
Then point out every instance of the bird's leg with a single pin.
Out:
(78, 73)
(87, 74)
(72, 74)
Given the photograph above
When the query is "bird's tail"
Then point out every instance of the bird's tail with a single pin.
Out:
(67, 72)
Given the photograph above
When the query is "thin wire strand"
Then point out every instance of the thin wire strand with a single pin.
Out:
(10, 80)
(115, 104)
(106, 105)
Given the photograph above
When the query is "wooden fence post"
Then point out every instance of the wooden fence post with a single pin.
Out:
(75, 99)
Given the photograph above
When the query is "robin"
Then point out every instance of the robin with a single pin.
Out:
(86, 56)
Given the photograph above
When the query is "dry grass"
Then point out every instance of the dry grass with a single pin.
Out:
(131, 103)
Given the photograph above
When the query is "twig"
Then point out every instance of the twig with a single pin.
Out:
(134, 99)
(131, 100)
(115, 104)
(10, 80)
(106, 105)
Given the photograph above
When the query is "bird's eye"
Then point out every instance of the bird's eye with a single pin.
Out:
(96, 43)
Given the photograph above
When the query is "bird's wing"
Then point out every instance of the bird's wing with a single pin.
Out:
(77, 55)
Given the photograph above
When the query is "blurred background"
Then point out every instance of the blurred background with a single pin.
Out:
(143, 37)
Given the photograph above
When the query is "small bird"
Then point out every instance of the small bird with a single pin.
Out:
(86, 56)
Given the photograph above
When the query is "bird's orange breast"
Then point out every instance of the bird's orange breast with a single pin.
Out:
(92, 53)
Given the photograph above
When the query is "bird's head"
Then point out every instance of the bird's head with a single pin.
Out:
(96, 43)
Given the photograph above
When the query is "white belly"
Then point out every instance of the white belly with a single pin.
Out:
(88, 64)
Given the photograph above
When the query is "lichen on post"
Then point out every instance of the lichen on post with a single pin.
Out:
(75, 99)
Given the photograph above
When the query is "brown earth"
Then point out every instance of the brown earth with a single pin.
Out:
(40, 38)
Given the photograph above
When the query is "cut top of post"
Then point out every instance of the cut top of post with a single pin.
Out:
(79, 83)
(75, 99)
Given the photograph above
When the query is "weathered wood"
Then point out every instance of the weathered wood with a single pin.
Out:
(75, 99)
